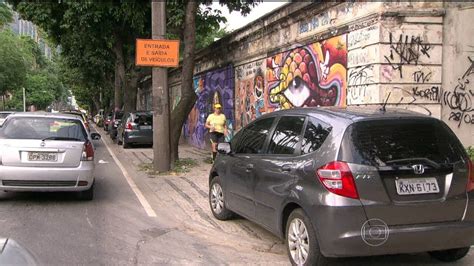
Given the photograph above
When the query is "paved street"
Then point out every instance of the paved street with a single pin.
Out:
(115, 228)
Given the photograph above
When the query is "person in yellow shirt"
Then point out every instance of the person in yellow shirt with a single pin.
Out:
(216, 123)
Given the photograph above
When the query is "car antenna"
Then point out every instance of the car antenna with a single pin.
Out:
(383, 109)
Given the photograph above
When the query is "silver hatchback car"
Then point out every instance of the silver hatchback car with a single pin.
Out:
(46, 152)
(339, 182)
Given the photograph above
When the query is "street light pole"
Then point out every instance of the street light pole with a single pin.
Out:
(24, 100)
(161, 110)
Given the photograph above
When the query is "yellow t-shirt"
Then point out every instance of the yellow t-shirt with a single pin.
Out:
(217, 121)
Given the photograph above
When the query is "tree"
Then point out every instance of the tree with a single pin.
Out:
(15, 62)
(194, 22)
(5, 15)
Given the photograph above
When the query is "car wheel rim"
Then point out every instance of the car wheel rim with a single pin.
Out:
(217, 198)
(298, 241)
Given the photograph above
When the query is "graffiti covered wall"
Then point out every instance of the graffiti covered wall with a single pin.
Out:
(251, 99)
(307, 76)
(212, 87)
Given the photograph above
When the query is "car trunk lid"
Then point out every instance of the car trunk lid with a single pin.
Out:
(407, 171)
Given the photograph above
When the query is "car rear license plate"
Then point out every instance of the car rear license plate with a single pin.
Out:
(145, 127)
(43, 156)
(415, 186)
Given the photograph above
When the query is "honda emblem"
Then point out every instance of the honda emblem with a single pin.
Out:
(419, 169)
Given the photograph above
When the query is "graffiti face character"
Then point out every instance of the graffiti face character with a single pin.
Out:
(311, 75)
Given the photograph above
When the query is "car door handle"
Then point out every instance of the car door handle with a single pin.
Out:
(249, 167)
(287, 168)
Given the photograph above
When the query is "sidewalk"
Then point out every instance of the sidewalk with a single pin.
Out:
(184, 197)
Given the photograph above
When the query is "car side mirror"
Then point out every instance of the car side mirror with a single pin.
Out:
(95, 136)
(224, 148)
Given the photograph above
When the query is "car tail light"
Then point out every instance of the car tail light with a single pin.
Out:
(88, 152)
(129, 126)
(470, 181)
(337, 178)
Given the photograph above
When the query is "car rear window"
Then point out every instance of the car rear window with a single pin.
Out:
(143, 119)
(4, 115)
(118, 115)
(41, 128)
(394, 142)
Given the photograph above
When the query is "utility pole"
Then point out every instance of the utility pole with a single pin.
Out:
(161, 110)
(24, 100)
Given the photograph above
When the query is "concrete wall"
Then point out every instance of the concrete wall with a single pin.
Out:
(458, 70)
(338, 54)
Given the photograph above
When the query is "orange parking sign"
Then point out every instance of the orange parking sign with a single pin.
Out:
(157, 53)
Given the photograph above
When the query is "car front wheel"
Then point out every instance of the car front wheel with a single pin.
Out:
(450, 255)
(301, 242)
(217, 200)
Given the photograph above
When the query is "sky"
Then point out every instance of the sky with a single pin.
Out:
(235, 20)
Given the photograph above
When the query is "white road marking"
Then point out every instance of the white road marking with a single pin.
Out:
(143, 201)
(87, 218)
(102, 161)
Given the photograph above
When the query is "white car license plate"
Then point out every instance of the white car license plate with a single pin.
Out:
(42, 156)
(415, 186)
(145, 127)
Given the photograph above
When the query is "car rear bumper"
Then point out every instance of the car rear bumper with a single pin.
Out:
(339, 235)
(46, 179)
(136, 138)
(403, 239)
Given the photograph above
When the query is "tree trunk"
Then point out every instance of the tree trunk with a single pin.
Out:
(130, 92)
(188, 96)
(119, 73)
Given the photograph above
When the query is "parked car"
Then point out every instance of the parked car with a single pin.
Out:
(135, 128)
(114, 123)
(47, 152)
(81, 115)
(107, 120)
(3, 116)
(339, 182)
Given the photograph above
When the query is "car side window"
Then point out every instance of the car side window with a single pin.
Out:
(252, 138)
(287, 135)
(315, 134)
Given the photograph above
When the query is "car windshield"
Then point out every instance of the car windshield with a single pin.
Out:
(395, 142)
(43, 128)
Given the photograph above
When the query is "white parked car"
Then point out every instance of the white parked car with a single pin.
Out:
(47, 152)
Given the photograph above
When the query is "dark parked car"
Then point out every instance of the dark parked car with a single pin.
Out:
(341, 182)
(114, 123)
(136, 128)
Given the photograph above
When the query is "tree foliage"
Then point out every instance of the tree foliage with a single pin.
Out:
(15, 61)
(6, 15)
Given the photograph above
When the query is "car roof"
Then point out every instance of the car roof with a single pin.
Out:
(45, 115)
(351, 114)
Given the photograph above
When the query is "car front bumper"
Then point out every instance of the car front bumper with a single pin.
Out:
(46, 178)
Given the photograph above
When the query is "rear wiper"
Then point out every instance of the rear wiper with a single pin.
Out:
(61, 138)
(412, 160)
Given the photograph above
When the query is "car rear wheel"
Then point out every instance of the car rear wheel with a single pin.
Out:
(450, 255)
(126, 145)
(301, 241)
(217, 200)
(87, 194)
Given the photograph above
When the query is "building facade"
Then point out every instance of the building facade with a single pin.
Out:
(412, 55)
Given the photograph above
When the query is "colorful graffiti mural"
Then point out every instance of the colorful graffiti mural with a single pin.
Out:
(212, 87)
(251, 98)
(311, 75)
